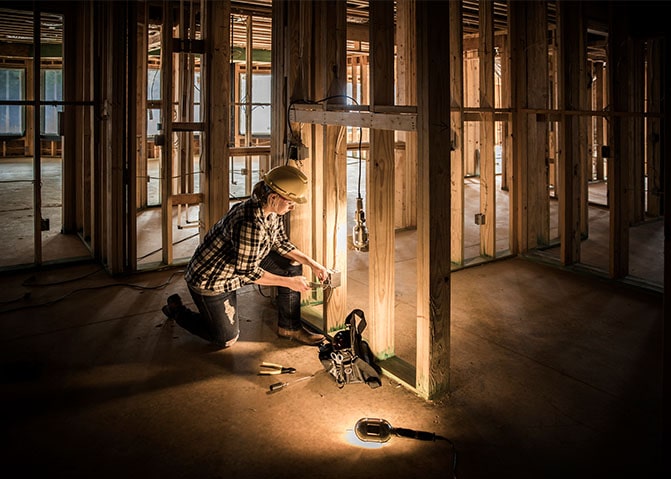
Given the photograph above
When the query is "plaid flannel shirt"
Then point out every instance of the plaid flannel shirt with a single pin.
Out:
(231, 252)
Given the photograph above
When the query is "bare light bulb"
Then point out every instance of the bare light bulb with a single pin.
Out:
(360, 232)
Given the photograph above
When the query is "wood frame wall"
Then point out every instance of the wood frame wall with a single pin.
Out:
(527, 157)
(309, 56)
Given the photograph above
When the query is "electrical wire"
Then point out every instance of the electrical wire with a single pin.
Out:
(89, 288)
(454, 454)
(31, 280)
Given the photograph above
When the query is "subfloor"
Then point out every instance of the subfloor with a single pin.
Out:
(553, 374)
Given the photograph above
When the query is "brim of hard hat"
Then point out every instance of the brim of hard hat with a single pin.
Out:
(301, 200)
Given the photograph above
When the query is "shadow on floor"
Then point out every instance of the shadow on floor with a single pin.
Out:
(552, 374)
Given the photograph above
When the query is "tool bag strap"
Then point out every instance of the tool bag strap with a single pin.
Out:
(365, 360)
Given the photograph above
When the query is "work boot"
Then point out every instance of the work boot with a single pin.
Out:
(301, 335)
(173, 307)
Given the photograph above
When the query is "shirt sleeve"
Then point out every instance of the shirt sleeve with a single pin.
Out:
(250, 251)
(282, 244)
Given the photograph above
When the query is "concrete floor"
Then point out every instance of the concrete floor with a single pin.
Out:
(554, 374)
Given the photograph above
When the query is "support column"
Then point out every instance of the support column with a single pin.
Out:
(619, 136)
(433, 199)
(572, 79)
(457, 132)
(487, 136)
(380, 183)
(215, 186)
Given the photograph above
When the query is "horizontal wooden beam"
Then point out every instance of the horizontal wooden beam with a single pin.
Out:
(390, 118)
(250, 151)
(186, 199)
(470, 116)
(188, 126)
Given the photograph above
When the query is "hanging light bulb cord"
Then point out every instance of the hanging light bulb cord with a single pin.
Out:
(360, 232)
(293, 138)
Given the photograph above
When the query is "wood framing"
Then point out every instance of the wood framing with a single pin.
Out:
(528, 30)
(433, 200)
(167, 79)
(636, 150)
(380, 176)
(599, 130)
(216, 70)
(457, 133)
(298, 43)
(405, 210)
(487, 135)
(653, 128)
(404, 119)
(433, 118)
(329, 162)
(618, 187)
(571, 37)
(112, 200)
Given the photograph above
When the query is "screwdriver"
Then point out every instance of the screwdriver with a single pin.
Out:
(282, 385)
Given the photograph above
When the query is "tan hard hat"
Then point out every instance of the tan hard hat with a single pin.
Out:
(288, 182)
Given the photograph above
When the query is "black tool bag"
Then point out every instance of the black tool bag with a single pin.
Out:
(348, 358)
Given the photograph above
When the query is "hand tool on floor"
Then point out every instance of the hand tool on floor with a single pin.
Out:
(272, 368)
(281, 385)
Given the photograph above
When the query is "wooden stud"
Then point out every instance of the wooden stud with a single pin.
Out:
(216, 70)
(599, 104)
(329, 162)
(457, 133)
(572, 81)
(653, 128)
(433, 199)
(380, 176)
(405, 212)
(487, 136)
(618, 62)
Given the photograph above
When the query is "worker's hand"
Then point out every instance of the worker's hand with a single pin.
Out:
(321, 272)
(298, 283)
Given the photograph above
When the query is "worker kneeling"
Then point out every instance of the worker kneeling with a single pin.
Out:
(249, 245)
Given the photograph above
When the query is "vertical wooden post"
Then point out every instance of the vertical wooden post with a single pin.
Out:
(433, 199)
(380, 183)
(140, 158)
(299, 44)
(135, 146)
(507, 183)
(653, 128)
(69, 138)
(528, 30)
(37, 150)
(618, 62)
(167, 80)
(636, 147)
(457, 132)
(599, 104)
(114, 98)
(518, 199)
(572, 80)
(330, 155)
(216, 93)
(406, 68)
(487, 137)
(279, 71)
(584, 135)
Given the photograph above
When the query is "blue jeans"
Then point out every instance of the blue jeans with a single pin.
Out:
(217, 318)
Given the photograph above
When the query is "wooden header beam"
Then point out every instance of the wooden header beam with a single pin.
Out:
(401, 118)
